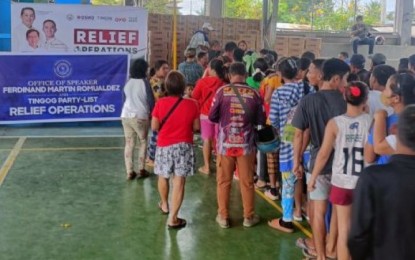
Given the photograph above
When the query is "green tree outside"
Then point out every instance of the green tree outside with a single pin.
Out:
(328, 15)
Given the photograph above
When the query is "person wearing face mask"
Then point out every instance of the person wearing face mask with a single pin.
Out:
(397, 94)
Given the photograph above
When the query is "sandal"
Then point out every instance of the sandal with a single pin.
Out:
(162, 210)
(275, 224)
(263, 186)
(131, 176)
(302, 243)
(181, 224)
(202, 170)
(307, 253)
(143, 174)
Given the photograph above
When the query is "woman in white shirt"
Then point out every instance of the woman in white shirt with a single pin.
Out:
(135, 116)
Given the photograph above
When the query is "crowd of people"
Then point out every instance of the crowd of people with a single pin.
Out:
(346, 142)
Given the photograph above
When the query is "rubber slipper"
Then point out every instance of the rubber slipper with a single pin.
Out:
(181, 224)
(162, 211)
(302, 243)
(143, 174)
(260, 186)
(131, 176)
(275, 224)
(306, 253)
(201, 170)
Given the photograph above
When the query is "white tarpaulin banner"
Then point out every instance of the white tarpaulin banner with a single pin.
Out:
(78, 28)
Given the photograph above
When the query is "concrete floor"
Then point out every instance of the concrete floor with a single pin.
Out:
(65, 197)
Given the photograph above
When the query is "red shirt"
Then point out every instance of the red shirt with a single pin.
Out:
(205, 91)
(178, 128)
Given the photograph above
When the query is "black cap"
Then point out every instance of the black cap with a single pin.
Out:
(378, 59)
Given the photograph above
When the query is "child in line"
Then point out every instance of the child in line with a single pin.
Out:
(348, 133)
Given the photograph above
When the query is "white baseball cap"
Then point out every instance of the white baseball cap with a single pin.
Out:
(208, 26)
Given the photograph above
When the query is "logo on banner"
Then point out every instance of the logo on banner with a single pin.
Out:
(63, 68)
(69, 17)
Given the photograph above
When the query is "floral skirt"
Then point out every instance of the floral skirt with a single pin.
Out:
(177, 159)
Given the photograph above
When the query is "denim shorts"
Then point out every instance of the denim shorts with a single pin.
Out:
(323, 186)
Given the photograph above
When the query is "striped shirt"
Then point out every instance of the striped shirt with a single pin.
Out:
(283, 100)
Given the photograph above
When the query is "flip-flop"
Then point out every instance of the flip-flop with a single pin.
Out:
(275, 224)
(131, 176)
(162, 211)
(306, 253)
(260, 186)
(201, 170)
(182, 223)
(143, 174)
(302, 243)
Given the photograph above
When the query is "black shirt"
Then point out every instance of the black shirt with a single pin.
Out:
(383, 212)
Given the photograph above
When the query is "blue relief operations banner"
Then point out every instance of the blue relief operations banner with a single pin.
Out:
(61, 88)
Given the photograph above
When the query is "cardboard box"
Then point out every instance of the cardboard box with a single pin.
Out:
(296, 42)
(293, 51)
(281, 50)
(281, 41)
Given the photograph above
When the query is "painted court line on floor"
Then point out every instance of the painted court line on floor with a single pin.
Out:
(11, 158)
(275, 205)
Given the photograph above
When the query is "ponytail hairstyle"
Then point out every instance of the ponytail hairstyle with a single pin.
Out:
(217, 65)
(288, 68)
(356, 93)
(260, 66)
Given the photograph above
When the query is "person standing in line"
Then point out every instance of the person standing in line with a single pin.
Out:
(175, 119)
(357, 66)
(344, 56)
(230, 47)
(203, 59)
(301, 148)
(377, 80)
(135, 117)
(383, 212)
(348, 133)
(313, 113)
(158, 74)
(204, 92)
(191, 70)
(260, 68)
(284, 102)
(269, 163)
(385, 124)
(237, 108)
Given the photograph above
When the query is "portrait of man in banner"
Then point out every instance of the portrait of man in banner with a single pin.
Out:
(19, 39)
(52, 44)
(33, 41)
